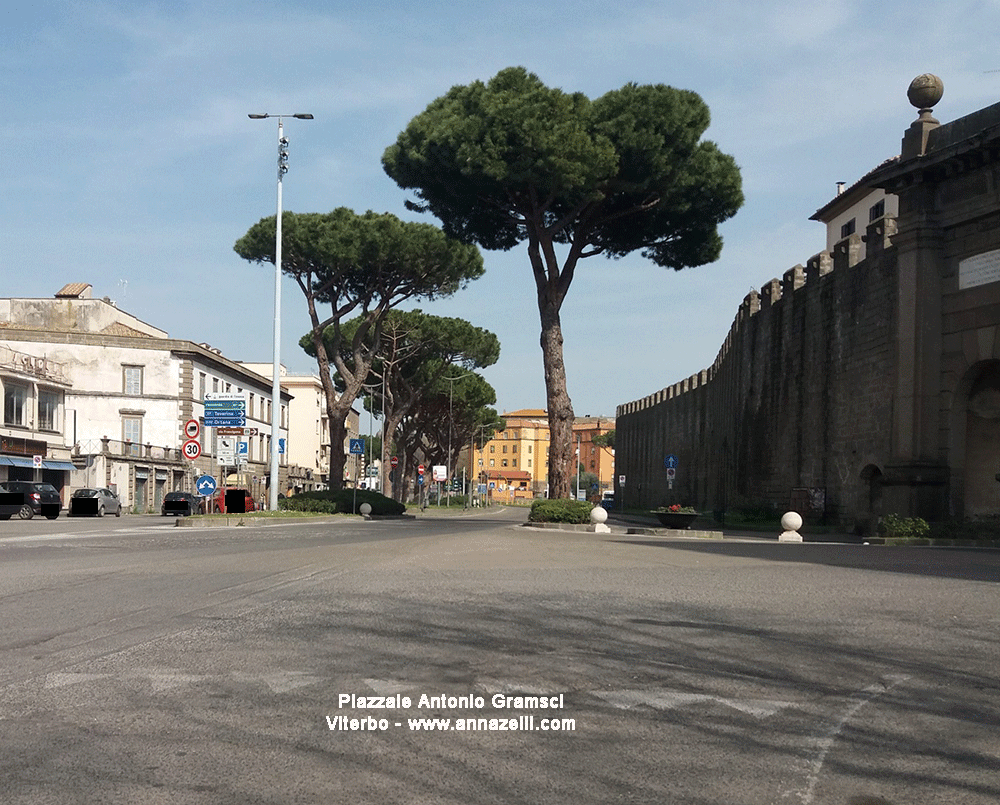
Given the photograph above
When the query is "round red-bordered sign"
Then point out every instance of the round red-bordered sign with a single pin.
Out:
(191, 449)
(420, 470)
(192, 428)
(394, 461)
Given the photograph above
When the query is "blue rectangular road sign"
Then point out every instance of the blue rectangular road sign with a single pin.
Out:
(358, 446)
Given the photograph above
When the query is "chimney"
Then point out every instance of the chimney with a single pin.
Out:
(840, 187)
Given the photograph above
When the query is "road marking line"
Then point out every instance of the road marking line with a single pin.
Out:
(61, 680)
(826, 740)
(668, 699)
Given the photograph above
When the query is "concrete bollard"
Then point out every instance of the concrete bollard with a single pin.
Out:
(791, 522)
(365, 509)
(598, 518)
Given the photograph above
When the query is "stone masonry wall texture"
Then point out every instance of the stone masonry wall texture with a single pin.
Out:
(797, 398)
(802, 408)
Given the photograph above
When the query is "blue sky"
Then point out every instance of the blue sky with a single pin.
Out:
(129, 161)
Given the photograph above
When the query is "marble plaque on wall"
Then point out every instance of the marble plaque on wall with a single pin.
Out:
(982, 269)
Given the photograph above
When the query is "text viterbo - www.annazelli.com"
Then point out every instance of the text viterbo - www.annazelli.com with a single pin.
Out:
(519, 723)
(524, 723)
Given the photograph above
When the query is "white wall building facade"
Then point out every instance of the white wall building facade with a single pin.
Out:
(123, 393)
(309, 431)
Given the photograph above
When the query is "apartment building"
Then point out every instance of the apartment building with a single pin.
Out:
(104, 398)
(309, 431)
(514, 462)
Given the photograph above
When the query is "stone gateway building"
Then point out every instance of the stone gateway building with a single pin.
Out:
(866, 382)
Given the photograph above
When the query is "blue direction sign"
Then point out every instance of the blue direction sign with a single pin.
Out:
(670, 462)
(206, 485)
(358, 446)
(224, 405)
(225, 422)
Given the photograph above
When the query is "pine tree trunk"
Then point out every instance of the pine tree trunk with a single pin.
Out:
(559, 406)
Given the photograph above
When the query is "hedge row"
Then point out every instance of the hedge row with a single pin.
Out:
(342, 501)
(560, 511)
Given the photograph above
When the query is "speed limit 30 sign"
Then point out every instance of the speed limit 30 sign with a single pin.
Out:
(191, 449)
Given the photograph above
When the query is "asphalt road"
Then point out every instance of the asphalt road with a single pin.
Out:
(142, 663)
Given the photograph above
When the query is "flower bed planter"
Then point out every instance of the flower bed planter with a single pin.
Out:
(676, 519)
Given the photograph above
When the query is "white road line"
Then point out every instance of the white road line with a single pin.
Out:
(662, 699)
(828, 737)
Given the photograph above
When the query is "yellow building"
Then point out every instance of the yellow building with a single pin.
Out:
(515, 462)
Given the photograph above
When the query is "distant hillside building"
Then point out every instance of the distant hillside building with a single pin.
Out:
(853, 388)
(515, 461)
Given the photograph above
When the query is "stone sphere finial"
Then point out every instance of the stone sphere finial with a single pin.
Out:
(925, 91)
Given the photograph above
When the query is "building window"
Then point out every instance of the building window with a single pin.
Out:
(503, 463)
(505, 448)
(480, 462)
(529, 449)
(876, 211)
(529, 463)
(132, 380)
(132, 433)
(250, 407)
(215, 385)
(14, 399)
(493, 462)
(48, 410)
(513, 449)
(513, 462)
(201, 386)
(847, 229)
(493, 448)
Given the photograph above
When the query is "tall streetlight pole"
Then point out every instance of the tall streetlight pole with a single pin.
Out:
(275, 370)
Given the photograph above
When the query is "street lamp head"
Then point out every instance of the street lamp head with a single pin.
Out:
(265, 116)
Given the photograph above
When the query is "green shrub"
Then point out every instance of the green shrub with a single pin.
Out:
(341, 502)
(560, 511)
(892, 525)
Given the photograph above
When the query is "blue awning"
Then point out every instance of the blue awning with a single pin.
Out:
(17, 461)
(66, 466)
(6, 462)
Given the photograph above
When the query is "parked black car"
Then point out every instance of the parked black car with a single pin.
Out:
(181, 503)
(27, 498)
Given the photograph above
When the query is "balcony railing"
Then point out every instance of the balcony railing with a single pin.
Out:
(114, 447)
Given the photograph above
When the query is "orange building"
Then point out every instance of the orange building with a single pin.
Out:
(514, 463)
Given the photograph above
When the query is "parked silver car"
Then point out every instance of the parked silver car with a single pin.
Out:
(97, 502)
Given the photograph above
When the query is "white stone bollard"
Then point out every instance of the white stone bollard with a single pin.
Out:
(791, 522)
(365, 509)
(598, 517)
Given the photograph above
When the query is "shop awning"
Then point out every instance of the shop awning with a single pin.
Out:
(18, 461)
(65, 466)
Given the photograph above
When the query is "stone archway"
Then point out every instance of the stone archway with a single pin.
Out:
(982, 441)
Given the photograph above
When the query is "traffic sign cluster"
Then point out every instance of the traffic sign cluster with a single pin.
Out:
(225, 410)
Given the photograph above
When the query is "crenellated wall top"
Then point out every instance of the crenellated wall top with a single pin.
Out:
(794, 281)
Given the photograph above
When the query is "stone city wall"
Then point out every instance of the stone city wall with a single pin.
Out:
(798, 398)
